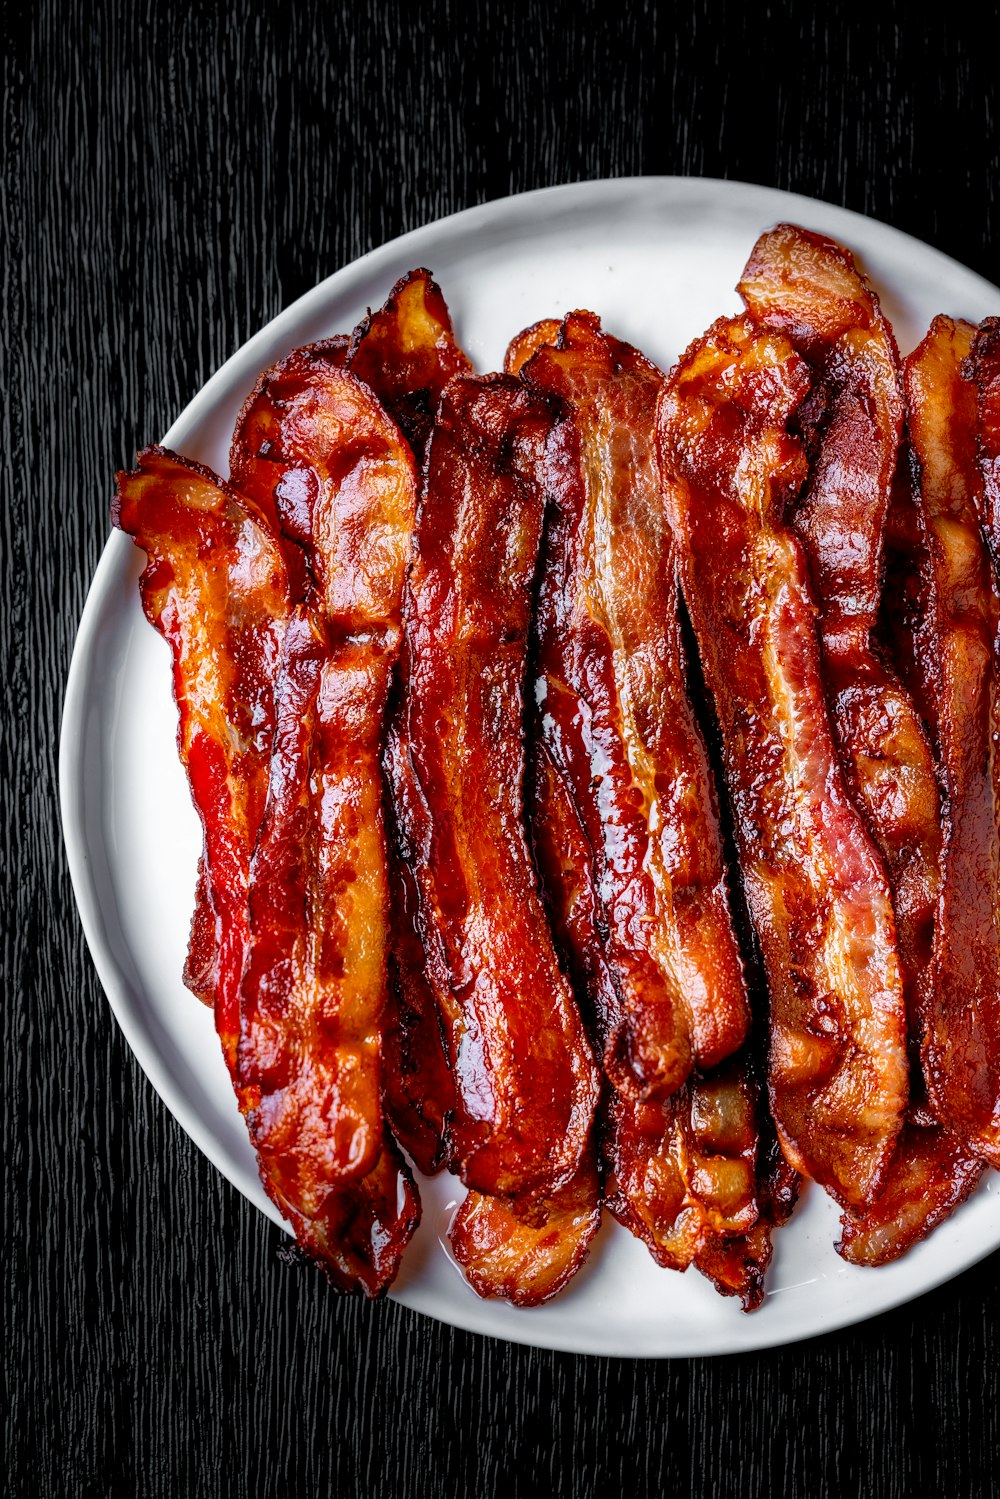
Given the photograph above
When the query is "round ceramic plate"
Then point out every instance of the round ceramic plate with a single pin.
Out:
(658, 259)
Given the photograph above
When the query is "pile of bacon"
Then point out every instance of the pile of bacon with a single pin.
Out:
(599, 780)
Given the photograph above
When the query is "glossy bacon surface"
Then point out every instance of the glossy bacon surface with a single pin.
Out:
(680, 1175)
(956, 654)
(406, 353)
(808, 288)
(526, 1253)
(616, 718)
(215, 587)
(525, 1081)
(315, 979)
(933, 1173)
(814, 885)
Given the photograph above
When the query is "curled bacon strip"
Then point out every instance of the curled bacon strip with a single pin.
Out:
(617, 721)
(314, 982)
(406, 353)
(932, 1174)
(526, 1252)
(681, 1176)
(224, 625)
(808, 288)
(814, 885)
(955, 655)
(525, 1082)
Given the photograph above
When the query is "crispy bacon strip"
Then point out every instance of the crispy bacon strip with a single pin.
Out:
(406, 353)
(815, 888)
(955, 650)
(525, 1253)
(808, 288)
(224, 623)
(933, 1173)
(314, 982)
(526, 1084)
(681, 1176)
(617, 722)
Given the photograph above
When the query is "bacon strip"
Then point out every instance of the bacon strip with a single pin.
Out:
(955, 650)
(527, 1252)
(808, 288)
(933, 1173)
(681, 1176)
(315, 977)
(224, 625)
(814, 885)
(525, 1081)
(406, 353)
(617, 722)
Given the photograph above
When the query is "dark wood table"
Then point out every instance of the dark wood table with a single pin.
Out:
(174, 175)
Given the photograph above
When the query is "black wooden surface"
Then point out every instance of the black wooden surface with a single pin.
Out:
(173, 176)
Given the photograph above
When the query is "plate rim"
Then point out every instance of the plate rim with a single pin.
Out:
(254, 354)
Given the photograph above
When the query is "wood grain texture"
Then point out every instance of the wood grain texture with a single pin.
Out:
(173, 176)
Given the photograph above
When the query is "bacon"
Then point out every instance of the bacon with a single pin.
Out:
(315, 977)
(815, 888)
(680, 1176)
(406, 353)
(737, 1264)
(808, 288)
(955, 654)
(525, 1082)
(526, 1253)
(529, 341)
(617, 722)
(933, 1173)
(216, 589)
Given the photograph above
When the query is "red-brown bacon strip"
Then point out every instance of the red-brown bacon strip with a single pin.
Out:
(681, 1176)
(617, 722)
(527, 1252)
(216, 589)
(932, 1174)
(955, 650)
(525, 1081)
(815, 888)
(808, 288)
(314, 983)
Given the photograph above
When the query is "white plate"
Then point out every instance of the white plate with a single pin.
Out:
(658, 259)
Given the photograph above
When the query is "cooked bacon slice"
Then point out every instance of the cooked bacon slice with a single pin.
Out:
(314, 983)
(216, 589)
(736, 1264)
(681, 1176)
(525, 1081)
(529, 341)
(815, 888)
(359, 1237)
(406, 353)
(527, 1252)
(932, 1174)
(984, 368)
(955, 650)
(808, 288)
(617, 721)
